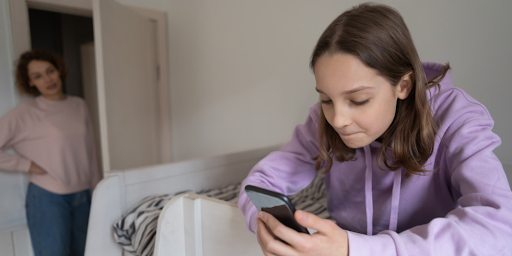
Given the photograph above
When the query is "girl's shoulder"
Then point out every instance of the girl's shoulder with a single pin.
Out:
(449, 102)
(455, 111)
(454, 103)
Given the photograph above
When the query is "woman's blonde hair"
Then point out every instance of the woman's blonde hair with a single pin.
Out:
(378, 36)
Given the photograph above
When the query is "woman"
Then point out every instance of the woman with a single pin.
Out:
(53, 136)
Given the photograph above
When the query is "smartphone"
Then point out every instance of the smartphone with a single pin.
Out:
(279, 205)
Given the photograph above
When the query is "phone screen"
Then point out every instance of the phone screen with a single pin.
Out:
(276, 204)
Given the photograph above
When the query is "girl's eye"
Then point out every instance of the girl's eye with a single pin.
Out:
(36, 77)
(359, 103)
(326, 101)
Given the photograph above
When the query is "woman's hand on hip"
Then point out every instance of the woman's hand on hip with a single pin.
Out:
(36, 169)
(329, 240)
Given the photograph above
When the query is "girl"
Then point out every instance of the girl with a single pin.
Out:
(408, 158)
(52, 134)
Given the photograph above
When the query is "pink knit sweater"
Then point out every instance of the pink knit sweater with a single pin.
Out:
(56, 135)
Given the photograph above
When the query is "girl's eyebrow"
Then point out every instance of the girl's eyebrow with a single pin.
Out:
(360, 88)
(319, 91)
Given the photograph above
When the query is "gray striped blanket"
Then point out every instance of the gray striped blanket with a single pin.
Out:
(135, 231)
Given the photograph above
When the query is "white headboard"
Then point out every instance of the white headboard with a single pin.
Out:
(120, 191)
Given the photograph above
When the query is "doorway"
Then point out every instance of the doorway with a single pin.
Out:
(68, 35)
(64, 34)
(128, 126)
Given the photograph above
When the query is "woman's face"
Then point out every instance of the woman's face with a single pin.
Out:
(45, 77)
(357, 102)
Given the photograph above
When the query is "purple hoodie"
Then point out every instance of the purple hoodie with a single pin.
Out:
(463, 208)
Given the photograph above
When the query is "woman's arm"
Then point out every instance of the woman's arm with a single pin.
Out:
(10, 134)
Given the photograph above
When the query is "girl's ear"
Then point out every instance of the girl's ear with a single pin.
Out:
(404, 87)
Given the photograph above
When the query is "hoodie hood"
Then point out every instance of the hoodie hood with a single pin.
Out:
(431, 70)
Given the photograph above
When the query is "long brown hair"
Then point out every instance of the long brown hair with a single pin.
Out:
(22, 78)
(378, 36)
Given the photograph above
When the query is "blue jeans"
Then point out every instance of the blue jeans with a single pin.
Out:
(57, 223)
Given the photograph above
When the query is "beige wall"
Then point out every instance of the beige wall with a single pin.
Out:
(12, 185)
(239, 69)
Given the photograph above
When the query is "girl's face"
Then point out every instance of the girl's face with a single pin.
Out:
(357, 102)
(46, 78)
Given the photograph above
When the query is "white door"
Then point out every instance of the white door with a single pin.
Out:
(125, 47)
(90, 91)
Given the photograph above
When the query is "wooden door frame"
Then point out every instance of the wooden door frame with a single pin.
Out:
(20, 28)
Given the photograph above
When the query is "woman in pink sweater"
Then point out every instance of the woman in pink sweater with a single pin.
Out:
(53, 138)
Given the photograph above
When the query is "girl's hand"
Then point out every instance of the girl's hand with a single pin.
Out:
(36, 169)
(329, 240)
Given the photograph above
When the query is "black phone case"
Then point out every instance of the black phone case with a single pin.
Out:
(283, 213)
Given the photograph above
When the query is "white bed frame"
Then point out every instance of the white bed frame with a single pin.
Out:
(120, 191)
(196, 225)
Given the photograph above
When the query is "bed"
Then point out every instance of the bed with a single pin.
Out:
(119, 191)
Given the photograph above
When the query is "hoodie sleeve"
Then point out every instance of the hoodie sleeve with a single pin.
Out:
(482, 225)
(286, 171)
(10, 134)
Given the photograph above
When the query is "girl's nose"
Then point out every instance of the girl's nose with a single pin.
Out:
(341, 118)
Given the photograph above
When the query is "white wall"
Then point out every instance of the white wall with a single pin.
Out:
(12, 185)
(14, 237)
(239, 69)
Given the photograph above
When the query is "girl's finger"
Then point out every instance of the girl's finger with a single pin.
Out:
(272, 244)
(259, 233)
(263, 236)
(261, 241)
(312, 221)
(280, 234)
(277, 228)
